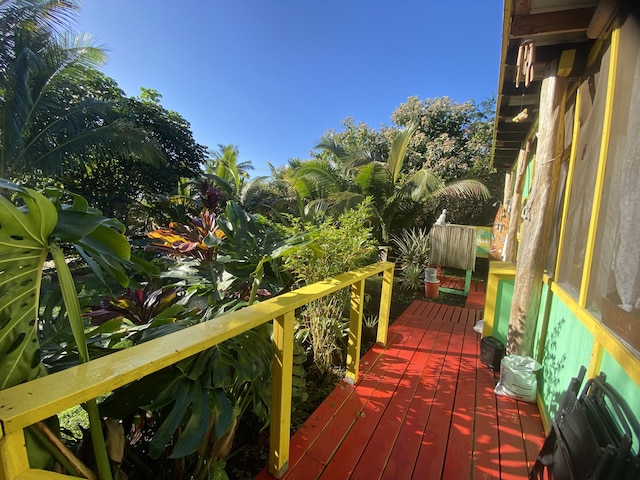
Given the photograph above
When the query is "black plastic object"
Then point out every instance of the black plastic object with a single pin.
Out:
(591, 436)
(491, 352)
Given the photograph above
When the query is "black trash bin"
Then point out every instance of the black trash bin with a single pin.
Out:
(491, 352)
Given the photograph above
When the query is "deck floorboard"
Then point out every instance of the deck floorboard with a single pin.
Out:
(424, 408)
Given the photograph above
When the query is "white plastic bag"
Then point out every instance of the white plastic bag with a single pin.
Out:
(479, 326)
(518, 378)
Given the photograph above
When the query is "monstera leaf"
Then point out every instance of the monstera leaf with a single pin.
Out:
(29, 232)
(24, 246)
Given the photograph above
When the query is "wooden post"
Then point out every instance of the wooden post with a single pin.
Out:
(507, 188)
(281, 394)
(537, 223)
(385, 306)
(509, 251)
(13, 455)
(355, 332)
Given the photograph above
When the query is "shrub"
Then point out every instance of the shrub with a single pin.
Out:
(413, 256)
(340, 245)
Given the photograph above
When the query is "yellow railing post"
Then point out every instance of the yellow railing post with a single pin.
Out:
(13, 455)
(385, 306)
(282, 374)
(355, 331)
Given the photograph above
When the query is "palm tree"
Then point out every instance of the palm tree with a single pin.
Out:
(46, 117)
(355, 175)
(229, 175)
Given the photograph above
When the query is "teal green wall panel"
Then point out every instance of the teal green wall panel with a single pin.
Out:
(619, 379)
(503, 309)
(541, 316)
(568, 346)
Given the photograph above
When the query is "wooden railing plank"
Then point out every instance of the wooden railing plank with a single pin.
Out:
(28, 403)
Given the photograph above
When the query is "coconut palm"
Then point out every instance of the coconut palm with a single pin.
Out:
(396, 195)
(46, 117)
(232, 177)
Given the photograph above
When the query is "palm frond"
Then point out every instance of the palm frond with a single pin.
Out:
(322, 176)
(466, 188)
(398, 150)
(109, 140)
(372, 177)
(421, 185)
(341, 202)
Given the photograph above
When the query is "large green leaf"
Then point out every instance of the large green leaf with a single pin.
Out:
(24, 236)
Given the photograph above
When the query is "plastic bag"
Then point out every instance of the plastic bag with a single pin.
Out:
(479, 326)
(518, 378)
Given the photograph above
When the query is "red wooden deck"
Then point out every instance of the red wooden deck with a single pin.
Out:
(424, 408)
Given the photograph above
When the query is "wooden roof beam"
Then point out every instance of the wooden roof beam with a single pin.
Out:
(574, 20)
(522, 7)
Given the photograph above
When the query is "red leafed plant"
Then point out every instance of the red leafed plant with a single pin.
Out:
(198, 238)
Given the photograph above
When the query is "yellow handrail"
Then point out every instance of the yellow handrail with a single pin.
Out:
(31, 402)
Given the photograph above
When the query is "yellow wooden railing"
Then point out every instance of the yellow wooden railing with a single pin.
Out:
(26, 404)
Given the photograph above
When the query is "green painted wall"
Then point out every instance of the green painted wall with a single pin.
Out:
(567, 347)
(503, 309)
(617, 377)
(545, 298)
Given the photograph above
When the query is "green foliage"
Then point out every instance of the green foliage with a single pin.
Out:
(412, 277)
(339, 246)
(412, 247)
(28, 235)
(193, 408)
(48, 118)
(453, 141)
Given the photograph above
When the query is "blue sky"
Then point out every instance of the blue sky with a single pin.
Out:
(272, 76)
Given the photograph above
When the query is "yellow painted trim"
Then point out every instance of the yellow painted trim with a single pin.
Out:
(385, 307)
(569, 182)
(282, 373)
(34, 474)
(565, 65)
(355, 331)
(602, 164)
(544, 415)
(602, 336)
(596, 359)
(497, 271)
(13, 455)
(595, 51)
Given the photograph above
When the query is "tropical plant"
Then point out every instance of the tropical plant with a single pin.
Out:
(28, 235)
(396, 195)
(412, 247)
(453, 140)
(128, 186)
(412, 251)
(193, 408)
(339, 246)
(412, 277)
(47, 120)
(224, 171)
